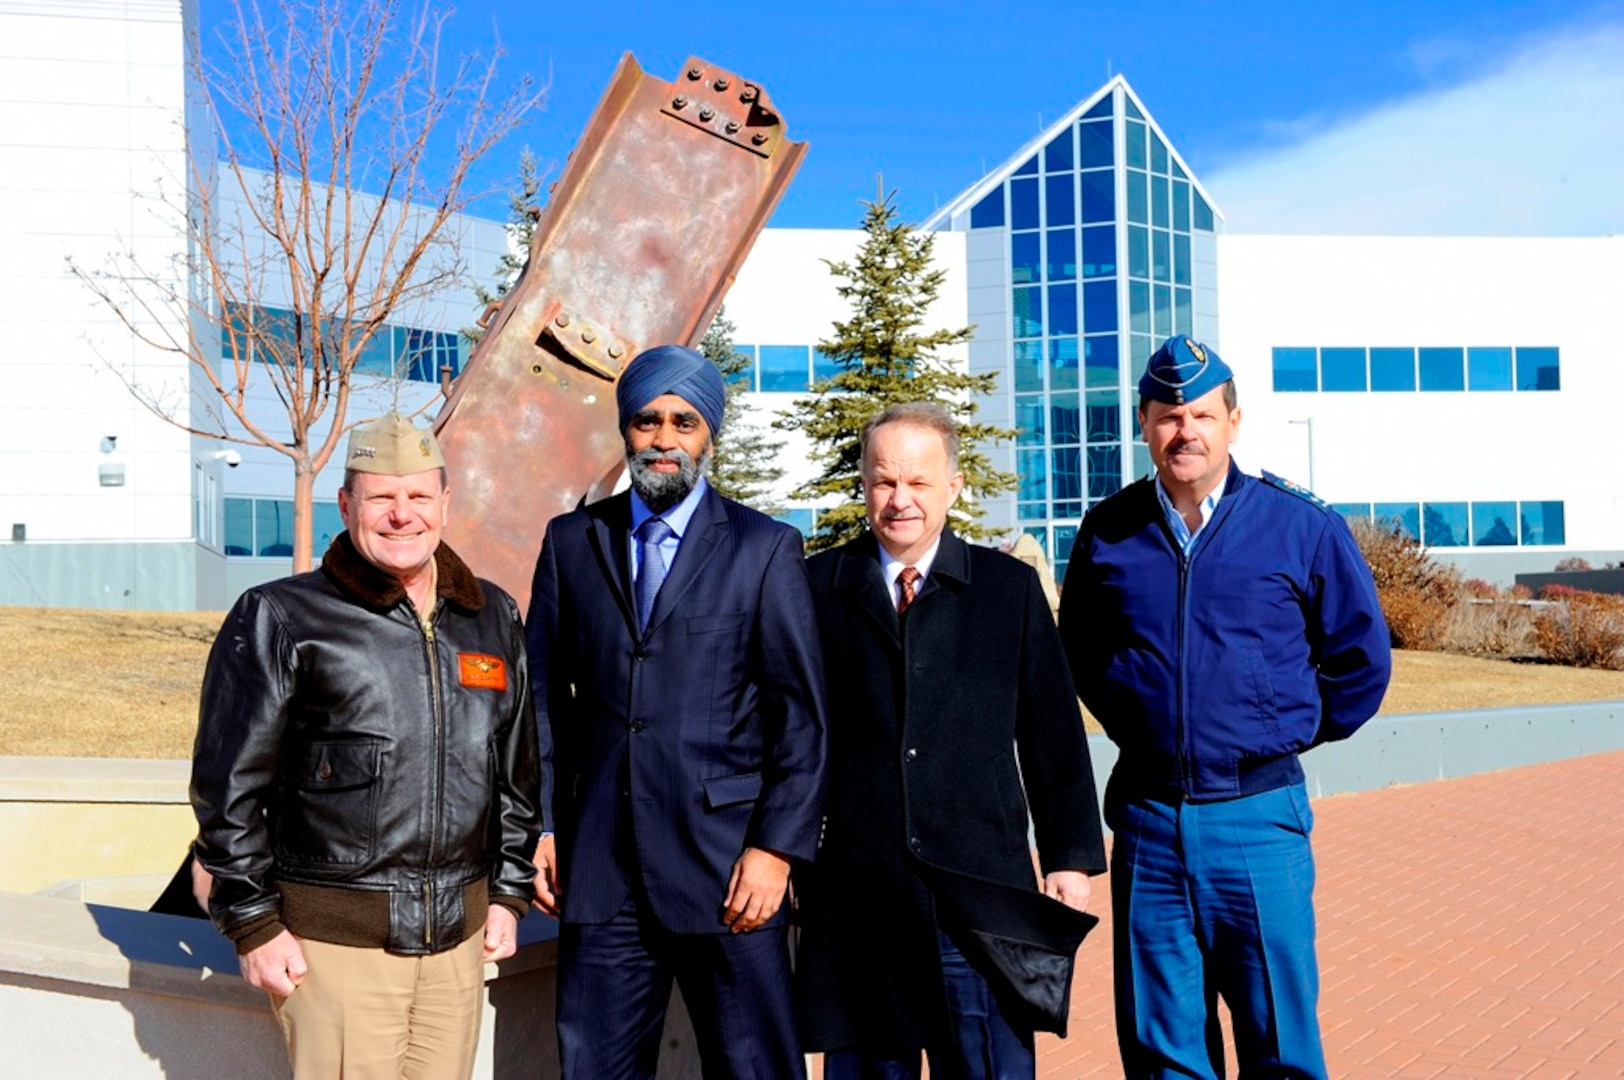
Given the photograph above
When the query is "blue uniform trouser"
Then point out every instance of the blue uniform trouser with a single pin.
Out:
(985, 1046)
(1209, 900)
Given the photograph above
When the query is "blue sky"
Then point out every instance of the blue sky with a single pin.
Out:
(1396, 116)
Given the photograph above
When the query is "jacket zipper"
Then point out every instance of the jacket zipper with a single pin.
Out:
(439, 779)
(1182, 757)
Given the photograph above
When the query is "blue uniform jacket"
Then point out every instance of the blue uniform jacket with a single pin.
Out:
(1212, 671)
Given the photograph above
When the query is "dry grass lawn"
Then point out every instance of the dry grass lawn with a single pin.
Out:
(124, 683)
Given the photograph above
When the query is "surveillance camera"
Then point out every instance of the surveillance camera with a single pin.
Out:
(230, 457)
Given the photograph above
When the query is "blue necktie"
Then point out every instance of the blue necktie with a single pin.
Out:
(651, 571)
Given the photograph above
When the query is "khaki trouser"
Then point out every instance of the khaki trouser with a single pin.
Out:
(362, 1014)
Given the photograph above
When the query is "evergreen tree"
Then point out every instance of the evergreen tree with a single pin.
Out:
(523, 213)
(744, 467)
(884, 358)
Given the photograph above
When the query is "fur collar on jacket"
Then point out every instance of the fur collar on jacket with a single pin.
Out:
(353, 575)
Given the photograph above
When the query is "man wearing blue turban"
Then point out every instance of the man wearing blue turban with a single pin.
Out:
(679, 700)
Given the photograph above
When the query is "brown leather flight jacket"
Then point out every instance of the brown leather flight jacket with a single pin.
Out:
(360, 778)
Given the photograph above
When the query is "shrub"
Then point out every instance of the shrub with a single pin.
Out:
(1497, 627)
(1584, 629)
(1417, 594)
(1572, 562)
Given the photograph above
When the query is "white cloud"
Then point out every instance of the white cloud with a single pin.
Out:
(1533, 147)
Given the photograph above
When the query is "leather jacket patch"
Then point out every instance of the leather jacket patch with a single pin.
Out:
(482, 672)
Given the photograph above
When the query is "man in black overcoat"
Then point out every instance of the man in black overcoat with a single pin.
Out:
(951, 718)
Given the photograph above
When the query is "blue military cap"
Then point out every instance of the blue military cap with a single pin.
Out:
(1182, 370)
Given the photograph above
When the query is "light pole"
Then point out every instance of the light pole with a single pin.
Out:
(1308, 423)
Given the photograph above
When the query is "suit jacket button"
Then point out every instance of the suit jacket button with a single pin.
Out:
(638, 725)
(640, 654)
(914, 844)
(325, 772)
(912, 753)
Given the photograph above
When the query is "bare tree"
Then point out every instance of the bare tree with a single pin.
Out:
(343, 140)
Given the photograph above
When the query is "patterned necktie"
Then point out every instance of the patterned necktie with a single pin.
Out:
(651, 571)
(905, 585)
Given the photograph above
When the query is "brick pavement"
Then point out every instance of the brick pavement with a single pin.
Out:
(1468, 928)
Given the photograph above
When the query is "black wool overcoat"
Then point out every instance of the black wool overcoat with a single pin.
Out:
(935, 720)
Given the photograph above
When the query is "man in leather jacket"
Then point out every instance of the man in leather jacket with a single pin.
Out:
(366, 780)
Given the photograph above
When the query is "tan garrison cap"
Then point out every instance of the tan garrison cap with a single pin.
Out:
(393, 446)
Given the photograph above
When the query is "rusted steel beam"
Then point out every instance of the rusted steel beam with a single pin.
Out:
(646, 228)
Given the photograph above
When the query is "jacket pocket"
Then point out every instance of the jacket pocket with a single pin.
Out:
(723, 791)
(328, 811)
(715, 624)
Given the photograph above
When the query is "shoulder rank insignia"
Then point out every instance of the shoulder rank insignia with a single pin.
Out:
(1294, 488)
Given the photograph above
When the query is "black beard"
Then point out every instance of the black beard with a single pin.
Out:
(661, 491)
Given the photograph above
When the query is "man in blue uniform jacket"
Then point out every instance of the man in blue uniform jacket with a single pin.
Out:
(1218, 625)
(679, 696)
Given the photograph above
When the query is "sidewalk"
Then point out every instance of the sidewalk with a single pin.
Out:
(1467, 928)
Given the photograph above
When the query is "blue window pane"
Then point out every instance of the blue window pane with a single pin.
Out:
(802, 520)
(1539, 369)
(1099, 196)
(1139, 307)
(273, 527)
(1100, 360)
(325, 524)
(1029, 419)
(1134, 148)
(1295, 370)
(1161, 258)
(1029, 167)
(1131, 110)
(824, 366)
(1094, 146)
(1104, 470)
(784, 367)
(1034, 475)
(1099, 251)
(1161, 311)
(1062, 262)
(1342, 370)
(1025, 257)
(1488, 369)
(1063, 309)
(1160, 216)
(1353, 513)
(1201, 212)
(377, 357)
(1138, 251)
(1138, 200)
(1183, 316)
(1101, 108)
(1492, 524)
(239, 527)
(1058, 155)
(1158, 154)
(1104, 420)
(1061, 193)
(1181, 258)
(1065, 423)
(1099, 306)
(1028, 312)
(1034, 511)
(1068, 473)
(1063, 363)
(1023, 204)
(1141, 460)
(1443, 524)
(1181, 205)
(1392, 369)
(989, 212)
(1064, 537)
(1029, 365)
(1404, 516)
(1069, 508)
(1139, 349)
(1542, 523)
(1442, 369)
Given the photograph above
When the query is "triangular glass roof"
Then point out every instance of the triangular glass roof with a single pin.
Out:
(1025, 160)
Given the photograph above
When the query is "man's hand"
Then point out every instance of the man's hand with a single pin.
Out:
(549, 889)
(1070, 887)
(276, 966)
(756, 889)
(202, 885)
(501, 934)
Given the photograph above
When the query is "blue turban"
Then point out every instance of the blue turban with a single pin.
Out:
(671, 369)
(1182, 370)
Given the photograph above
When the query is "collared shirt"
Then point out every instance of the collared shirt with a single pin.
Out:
(1175, 520)
(677, 518)
(892, 568)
